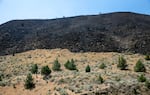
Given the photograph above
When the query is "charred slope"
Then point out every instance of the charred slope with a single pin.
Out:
(117, 32)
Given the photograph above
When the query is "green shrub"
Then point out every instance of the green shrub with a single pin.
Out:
(45, 70)
(0, 78)
(139, 67)
(70, 65)
(122, 63)
(102, 66)
(87, 69)
(67, 64)
(34, 69)
(141, 78)
(147, 57)
(29, 82)
(100, 79)
(56, 65)
(147, 84)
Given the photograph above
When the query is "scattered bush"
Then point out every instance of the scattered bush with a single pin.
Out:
(122, 63)
(141, 78)
(147, 57)
(139, 67)
(100, 79)
(135, 92)
(56, 65)
(61, 81)
(117, 78)
(13, 54)
(147, 84)
(2, 83)
(14, 86)
(0, 78)
(34, 69)
(87, 69)
(70, 65)
(62, 91)
(102, 66)
(29, 82)
(45, 70)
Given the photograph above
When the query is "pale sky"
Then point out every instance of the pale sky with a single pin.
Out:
(48, 9)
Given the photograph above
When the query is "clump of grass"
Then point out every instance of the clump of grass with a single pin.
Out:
(141, 78)
(62, 91)
(147, 84)
(117, 78)
(0, 78)
(100, 80)
(61, 81)
(102, 66)
(2, 84)
(14, 86)
(147, 57)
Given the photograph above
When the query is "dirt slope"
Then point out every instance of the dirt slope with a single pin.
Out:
(116, 82)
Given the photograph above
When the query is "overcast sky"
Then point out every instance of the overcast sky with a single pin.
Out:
(47, 9)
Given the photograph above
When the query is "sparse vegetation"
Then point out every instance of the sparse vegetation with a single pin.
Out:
(29, 82)
(147, 84)
(87, 69)
(0, 78)
(117, 78)
(135, 92)
(139, 67)
(100, 79)
(45, 70)
(62, 91)
(70, 65)
(147, 57)
(71, 81)
(2, 83)
(13, 54)
(102, 66)
(14, 86)
(61, 81)
(141, 78)
(56, 65)
(34, 69)
(122, 63)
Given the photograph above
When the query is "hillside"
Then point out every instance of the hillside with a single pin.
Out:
(14, 69)
(113, 32)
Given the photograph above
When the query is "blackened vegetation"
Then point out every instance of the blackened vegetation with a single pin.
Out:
(118, 32)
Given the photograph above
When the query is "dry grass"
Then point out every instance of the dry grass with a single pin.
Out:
(16, 67)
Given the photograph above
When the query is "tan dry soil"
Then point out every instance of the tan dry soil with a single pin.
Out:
(18, 66)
